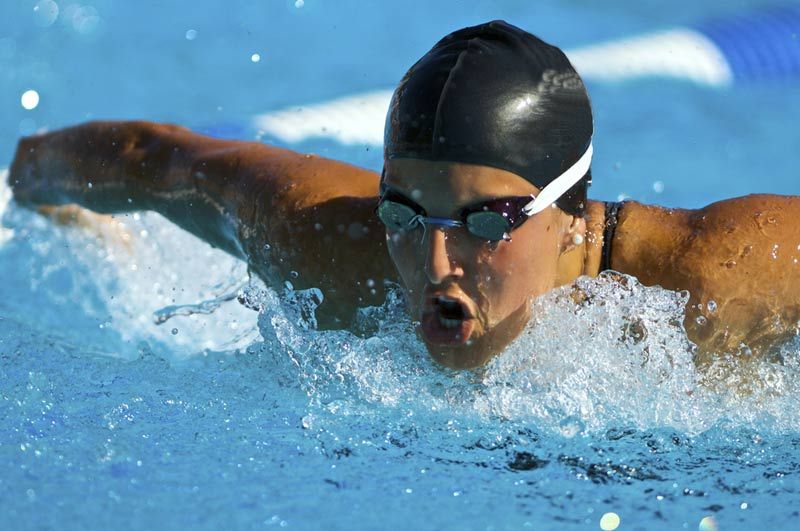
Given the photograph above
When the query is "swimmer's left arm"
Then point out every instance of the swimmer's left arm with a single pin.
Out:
(739, 260)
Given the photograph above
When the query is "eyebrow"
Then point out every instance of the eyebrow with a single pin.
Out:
(392, 191)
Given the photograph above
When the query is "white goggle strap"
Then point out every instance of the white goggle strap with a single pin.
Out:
(560, 184)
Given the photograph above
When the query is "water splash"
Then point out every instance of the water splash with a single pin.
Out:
(598, 391)
(205, 307)
(607, 353)
(617, 357)
(5, 197)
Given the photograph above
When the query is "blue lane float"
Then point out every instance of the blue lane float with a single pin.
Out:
(763, 45)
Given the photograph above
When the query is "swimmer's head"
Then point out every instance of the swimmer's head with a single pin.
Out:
(488, 119)
(497, 96)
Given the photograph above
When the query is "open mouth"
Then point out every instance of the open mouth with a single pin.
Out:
(450, 312)
(447, 322)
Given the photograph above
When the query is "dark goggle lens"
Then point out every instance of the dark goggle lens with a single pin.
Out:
(396, 216)
(488, 225)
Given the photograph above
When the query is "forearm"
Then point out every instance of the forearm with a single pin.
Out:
(122, 166)
(282, 211)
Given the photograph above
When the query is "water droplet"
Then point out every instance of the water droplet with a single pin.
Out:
(707, 524)
(658, 187)
(701, 320)
(743, 505)
(85, 20)
(45, 13)
(730, 264)
(571, 426)
(712, 306)
(255, 57)
(174, 331)
(745, 351)
(29, 100)
(416, 195)
(294, 274)
(299, 3)
(191, 35)
(609, 521)
(370, 283)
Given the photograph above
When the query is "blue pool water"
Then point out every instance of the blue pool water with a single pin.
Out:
(245, 419)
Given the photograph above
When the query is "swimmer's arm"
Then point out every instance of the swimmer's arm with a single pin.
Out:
(743, 254)
(279, 210)
(115, 167)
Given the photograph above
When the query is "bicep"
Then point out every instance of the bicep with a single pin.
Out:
(336, 245)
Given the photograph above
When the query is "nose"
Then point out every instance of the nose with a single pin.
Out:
(438, 264)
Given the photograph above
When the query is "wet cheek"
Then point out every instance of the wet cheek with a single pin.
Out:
(406, 259)
(510, 274)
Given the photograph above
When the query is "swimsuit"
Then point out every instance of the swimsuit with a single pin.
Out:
(612, 217)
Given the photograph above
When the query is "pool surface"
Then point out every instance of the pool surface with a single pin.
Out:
(233, 413)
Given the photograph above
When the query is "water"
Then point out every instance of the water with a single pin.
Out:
(247, 419)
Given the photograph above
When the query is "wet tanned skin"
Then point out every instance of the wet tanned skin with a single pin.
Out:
(317, 217)
(743, 253)
(280, 211)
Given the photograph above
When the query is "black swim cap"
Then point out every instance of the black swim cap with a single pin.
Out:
(498, 96)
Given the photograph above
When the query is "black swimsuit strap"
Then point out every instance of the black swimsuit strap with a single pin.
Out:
(612, 216)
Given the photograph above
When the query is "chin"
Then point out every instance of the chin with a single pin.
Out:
(458, 357)
(469, 345)
(468, 352)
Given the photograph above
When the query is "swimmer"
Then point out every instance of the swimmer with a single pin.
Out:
(481, 206)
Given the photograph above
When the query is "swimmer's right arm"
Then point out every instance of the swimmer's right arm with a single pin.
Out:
(313, 214)
(114, 167)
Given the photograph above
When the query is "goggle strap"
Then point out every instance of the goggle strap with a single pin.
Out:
(559, 186)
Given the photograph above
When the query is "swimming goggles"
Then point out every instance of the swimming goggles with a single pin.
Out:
(491, 220)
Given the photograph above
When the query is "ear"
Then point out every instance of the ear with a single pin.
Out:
(573, 226)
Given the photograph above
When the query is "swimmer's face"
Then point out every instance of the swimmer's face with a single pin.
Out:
(470, 296)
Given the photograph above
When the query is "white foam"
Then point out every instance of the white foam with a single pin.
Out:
(137, 266)
(5, 198)
(621, 359)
